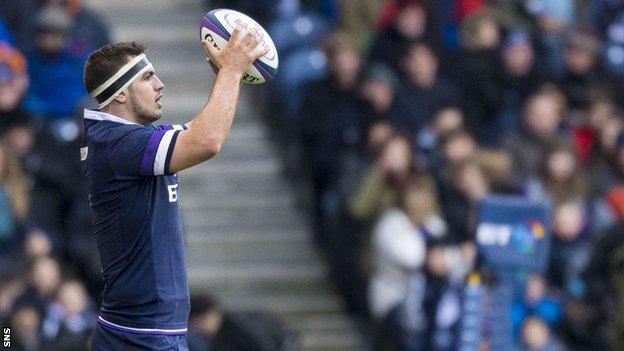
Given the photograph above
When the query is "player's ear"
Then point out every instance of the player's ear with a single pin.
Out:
(121, 98)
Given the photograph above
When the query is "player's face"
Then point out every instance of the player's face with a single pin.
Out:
(144, 96)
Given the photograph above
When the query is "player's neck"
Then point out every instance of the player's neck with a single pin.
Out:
(123, 111)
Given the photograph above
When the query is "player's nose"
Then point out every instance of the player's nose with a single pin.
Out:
(158, 84)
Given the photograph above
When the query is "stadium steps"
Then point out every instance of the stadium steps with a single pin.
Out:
(248, 242)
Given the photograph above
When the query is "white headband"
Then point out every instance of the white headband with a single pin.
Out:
(106, 92)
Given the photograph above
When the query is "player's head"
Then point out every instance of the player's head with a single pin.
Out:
(119, 76)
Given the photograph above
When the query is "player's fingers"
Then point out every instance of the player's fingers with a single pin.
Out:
(214, 67)
(259, 52)
(256, 48)
(211, 50)
(258, 39)
(249, 38)
(236, 33)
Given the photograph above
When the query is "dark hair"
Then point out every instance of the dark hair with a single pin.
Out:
(419, 45)
(340, 41)
(105, 61)
(574, 187)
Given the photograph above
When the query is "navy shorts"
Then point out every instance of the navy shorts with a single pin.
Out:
(106, 339)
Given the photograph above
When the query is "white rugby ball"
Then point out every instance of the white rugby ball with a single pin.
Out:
(217, 27)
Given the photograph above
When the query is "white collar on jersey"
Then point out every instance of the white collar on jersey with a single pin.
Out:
(103, 116)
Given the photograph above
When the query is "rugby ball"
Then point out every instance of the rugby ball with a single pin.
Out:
(217, 27)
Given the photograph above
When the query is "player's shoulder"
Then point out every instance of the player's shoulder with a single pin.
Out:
(104, 127)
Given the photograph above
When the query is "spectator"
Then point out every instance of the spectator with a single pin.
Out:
(401, 24)
(359, 18)
(569, 251)
(393, 173)
(88, 31)
(536, 336)
(399, 248)
(559, 176)
(15, 124)
(379, 88)
(13, 80)
(329, 125)
(541, 119)
(476, 70)
(43, 283)
(213, 329)
(603, 168)
(595, 120)
(582, 71)
(13, 207)
(37, 244)
(604, 15)
(442, 301)
(552, 20)
(606, 18)
(59, 207)
(519, 76)
(447, 120)
(425, 91)
(378, 134)
(469, 184)
(536, 301)
(12, 287)
(70, 319)
(56, 86)
(26, 328)
(428, 317)
(388, 177)
(457, 150)
(18, 17)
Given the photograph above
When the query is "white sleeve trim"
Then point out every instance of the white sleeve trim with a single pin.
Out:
(161, 154)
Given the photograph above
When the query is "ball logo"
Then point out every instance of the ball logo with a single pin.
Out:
(207, 35)
(210, 38)
(217, 27)
(233, 20)
(521, 236)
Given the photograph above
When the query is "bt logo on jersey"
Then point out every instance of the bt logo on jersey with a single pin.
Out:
(173, 192)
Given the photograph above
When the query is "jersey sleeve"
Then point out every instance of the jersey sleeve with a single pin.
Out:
(171, 127)
(142, 151)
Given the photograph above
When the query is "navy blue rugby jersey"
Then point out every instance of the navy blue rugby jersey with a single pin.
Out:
(137, 224)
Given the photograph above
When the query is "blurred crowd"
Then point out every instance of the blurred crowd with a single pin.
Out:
(50, 275)
(50, 278)
(404, 114)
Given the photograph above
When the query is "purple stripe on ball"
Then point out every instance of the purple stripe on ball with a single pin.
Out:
(270, 71)
(206, 22)
(262, 71)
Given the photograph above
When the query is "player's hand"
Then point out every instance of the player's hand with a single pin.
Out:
(240, 52)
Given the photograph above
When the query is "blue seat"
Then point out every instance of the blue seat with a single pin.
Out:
(291, 33)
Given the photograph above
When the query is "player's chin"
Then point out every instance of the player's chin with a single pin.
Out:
(156, 114)
(158, 111)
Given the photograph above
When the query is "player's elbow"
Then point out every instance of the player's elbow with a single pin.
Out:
(214, 149)
(211, 148)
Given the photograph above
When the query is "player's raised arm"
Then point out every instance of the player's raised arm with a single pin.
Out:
(205, 135)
